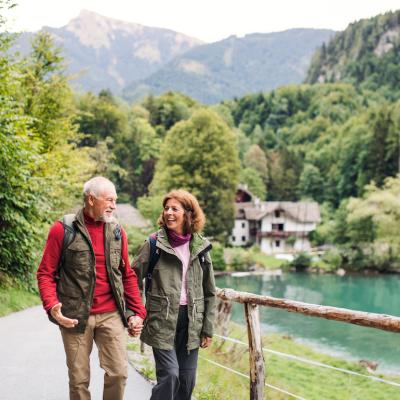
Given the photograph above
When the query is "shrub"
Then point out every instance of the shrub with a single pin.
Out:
(217, 255)
(301, 262)
(333, 259)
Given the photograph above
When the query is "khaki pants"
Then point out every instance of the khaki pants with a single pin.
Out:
(108, 331)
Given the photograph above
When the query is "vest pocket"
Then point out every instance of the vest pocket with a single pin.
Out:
(78, 258)
(70, 305)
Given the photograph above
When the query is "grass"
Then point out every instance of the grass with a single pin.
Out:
(308, 381)
(266, 261)
(304, 380)
(15, 299)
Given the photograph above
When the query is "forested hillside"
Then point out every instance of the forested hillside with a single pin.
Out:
(366, 54)
(338, 143)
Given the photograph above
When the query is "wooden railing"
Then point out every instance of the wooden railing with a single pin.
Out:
(251, 307)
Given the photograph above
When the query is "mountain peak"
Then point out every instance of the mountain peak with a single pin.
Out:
(96, 30)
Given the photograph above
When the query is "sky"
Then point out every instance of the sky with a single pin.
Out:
(208, 20)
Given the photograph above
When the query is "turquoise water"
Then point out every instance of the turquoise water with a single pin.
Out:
(378, 294)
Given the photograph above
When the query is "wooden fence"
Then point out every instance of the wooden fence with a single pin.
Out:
(251, 307)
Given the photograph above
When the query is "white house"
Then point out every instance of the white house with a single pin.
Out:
(276, 226)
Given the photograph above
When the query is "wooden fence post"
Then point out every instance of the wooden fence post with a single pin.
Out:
(224, 309)
(257, 371)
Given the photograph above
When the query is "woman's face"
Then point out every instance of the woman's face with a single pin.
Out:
(174, 216)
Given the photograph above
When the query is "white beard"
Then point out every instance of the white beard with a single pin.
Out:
(107, 218)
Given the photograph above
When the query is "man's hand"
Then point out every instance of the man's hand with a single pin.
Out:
(205, 342)
(63, 321)
(135, 326)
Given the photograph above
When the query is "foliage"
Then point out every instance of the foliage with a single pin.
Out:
(324, 142)
(151, 207)
(47, 99)
(254, 182)
(168, 109)
(240, 259)
(21, 193)
(364, 230)
(217, 256)
(365, 54)
(332, 258)
(200, 155)
(377, 212)
(136, 238)
(41, 168)
(301, 262)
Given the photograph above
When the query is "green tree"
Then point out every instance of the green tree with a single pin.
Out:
(311, 183)
(21, 194)
(47, 98)
(200, 155)
(255, 158)
(41, 168)
(254, 182)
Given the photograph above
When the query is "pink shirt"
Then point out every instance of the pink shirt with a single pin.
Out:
(183, 253)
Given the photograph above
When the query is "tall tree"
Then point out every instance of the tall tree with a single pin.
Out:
(200, 155)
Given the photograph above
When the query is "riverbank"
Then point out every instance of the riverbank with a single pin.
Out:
(308, 380)
(376, 294)
(253, 259)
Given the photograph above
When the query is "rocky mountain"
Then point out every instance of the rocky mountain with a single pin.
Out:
(135, 60)
(107, 53)
(236, 66)
(366, 53)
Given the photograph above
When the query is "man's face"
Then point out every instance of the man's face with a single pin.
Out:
(104, 205)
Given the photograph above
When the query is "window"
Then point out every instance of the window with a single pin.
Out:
(233, 238)
(243, 225)
(277, 243)
(277, 213)
(278, 227)
(243, 238)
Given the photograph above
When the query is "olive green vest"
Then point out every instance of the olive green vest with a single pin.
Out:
(77, 276)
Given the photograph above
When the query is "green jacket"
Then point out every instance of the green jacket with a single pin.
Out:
(162, 302)
(77, 277)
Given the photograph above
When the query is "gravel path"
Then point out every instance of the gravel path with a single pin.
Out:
(129, 215)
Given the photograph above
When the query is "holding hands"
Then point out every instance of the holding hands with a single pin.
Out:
(135, 326)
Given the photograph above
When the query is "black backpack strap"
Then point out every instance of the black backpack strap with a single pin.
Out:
(69, 237)
(154, 257)
(202, 258)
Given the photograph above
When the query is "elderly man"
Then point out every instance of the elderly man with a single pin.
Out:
(92, 293)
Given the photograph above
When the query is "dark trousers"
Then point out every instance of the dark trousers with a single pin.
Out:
(176, 369)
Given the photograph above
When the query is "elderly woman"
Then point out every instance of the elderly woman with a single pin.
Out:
(180, 300)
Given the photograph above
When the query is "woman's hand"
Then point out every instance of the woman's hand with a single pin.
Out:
(205, 342)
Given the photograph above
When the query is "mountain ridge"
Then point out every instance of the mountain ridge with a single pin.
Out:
(113, 52)
(134, 60)
(236, 66)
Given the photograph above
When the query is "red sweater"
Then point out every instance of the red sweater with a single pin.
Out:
(103, 299)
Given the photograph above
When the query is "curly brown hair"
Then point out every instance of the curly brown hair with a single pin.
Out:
(194, 218)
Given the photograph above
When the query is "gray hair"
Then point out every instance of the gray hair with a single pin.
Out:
(96, 186)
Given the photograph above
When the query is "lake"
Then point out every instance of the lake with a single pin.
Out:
(378, 294)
